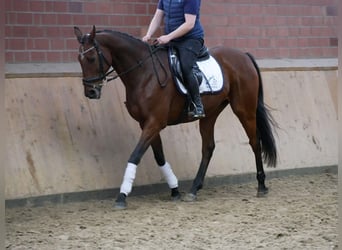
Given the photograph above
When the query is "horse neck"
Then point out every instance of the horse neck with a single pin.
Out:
(126, 51)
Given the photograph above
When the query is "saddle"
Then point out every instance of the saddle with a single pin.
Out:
(206, 70)
(176, 68)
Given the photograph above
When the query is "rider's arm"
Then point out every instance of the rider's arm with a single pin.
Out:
(181, 30)
(154, 25)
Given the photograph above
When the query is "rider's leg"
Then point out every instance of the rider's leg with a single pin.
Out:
(188, 52)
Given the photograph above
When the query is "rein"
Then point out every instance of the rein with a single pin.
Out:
(93, 81)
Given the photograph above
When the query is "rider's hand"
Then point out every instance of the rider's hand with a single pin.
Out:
(146, 38)
(163, 39)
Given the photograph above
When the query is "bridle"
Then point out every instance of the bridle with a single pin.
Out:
(98, 81)
(94, 81)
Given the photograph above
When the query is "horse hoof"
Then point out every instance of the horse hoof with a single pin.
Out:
(120, 205)
(190, 197)
(262, 193)
(176, 197)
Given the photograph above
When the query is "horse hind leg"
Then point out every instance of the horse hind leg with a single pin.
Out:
(165, 168)
(249, 123)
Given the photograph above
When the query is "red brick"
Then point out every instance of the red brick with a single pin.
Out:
(37, 6)
(8, 5)
(37, 56)
(229, 31)
(79, 19)
(64, 19)
(232, 43)
(49, 6)
(30, 44)
(94, 20)
(140, 9)
(21, 5)
(330, 21)
(58, 44)
(48, 19)
(16, 44)
(270, 10)
(330, 52)
(52, 32)
(264, 43)
(292, 28)
(20, 31)
(89, 7)
(281, 43)
(36, 31)
(104, 8)
(75, 7)
(42, 44)
(271, 31)
(215, 41)
(312, 21)
(283, 52)
(293, 21)
(116, 20)
(144, 20)
(130, 20)
(303, 42)
(321, 31)
(120, 8)
(11, 18)
(67, 31)
(37, 19)
(60, 6)
(8, 31)
(21, 57)
(54, 56)
(69, 56)
(305, 31)
(283, 31)
(257, 20)
(71, 44)
(270, 20)
(292, 42)
(25, 18)
(9, 57)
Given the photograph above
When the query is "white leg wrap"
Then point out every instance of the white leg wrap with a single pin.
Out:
(126, 186)
(169, 176)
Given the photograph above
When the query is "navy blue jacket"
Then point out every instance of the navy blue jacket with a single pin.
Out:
(174, 11)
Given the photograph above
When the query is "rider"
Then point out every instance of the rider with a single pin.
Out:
(184, 30)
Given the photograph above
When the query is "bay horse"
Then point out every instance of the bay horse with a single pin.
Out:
(153, 100)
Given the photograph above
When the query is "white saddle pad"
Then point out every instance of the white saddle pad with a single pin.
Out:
(213, 80)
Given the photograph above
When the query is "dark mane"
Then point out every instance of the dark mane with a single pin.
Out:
(122, 34)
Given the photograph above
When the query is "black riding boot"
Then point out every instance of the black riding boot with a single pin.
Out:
(193, 88)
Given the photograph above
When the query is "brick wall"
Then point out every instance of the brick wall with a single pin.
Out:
(42, 31)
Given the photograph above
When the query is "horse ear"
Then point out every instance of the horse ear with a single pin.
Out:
(78, 34)
(93, 33)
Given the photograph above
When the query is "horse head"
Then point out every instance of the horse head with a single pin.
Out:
(95, 62)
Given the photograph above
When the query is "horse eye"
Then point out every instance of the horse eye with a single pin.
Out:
(90, 59)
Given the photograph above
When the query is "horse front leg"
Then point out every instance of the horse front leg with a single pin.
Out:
(165, 168)
(147, 136)
(208, 146)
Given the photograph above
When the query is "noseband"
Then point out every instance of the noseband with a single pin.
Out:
(91, 82)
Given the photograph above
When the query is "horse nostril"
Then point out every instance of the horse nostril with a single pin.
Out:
(93, 93)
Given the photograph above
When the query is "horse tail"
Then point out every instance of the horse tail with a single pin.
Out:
(265, 124)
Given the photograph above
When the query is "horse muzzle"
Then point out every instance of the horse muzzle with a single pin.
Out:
(93, 93)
